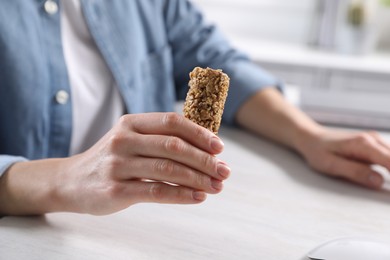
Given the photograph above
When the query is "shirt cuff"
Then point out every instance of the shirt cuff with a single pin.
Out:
(7, 160)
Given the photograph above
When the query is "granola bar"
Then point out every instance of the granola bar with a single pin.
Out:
(206, 97)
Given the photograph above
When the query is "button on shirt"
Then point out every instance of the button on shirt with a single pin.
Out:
(62, 97)
(149, 47)
(51, 7)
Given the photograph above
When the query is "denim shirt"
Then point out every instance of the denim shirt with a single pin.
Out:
(150, 46)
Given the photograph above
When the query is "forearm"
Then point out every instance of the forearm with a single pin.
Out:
(174, 152)
(268, 114)
(30, 188)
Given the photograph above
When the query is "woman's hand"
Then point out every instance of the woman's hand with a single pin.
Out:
(336, 153)
(348, 155)
(156, 157)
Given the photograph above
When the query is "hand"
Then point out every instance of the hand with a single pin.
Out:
(156, 157)
(332, 152)
(348, 155)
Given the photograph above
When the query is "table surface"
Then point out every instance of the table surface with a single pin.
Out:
(272, 207)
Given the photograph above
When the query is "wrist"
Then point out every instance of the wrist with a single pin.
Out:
(306, 137)
(31, 188)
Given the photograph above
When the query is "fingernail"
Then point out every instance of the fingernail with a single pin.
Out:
(223, 170)
(199, 195)
(216, 184)
(375, 179)
(217, 144)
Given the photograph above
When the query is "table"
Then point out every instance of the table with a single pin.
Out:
(273, 207)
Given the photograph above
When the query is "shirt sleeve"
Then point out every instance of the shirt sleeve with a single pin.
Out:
(196, 43)
(7, 160)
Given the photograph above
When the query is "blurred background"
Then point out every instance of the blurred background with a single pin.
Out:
(332, 55)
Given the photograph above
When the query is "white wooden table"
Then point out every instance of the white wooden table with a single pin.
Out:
(273, 208)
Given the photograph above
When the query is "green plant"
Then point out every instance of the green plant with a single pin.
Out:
(386, 2)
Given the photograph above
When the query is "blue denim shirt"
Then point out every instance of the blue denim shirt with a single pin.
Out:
(150, 47)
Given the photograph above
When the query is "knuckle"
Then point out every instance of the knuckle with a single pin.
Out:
(123, 121)
(156, 191)
(208, 161)
(172, 120)
(119, 141)
(364, 139)
(174, 144)
(164, 166)
(373, 134)
(115, 141)
(376, 137)
(201, 180)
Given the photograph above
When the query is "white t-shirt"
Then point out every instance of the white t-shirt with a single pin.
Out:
(96, 101)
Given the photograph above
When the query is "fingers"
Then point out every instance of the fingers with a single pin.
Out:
(164, 170)
(159, 192)
(176, 149)
(356, 172)
(367, 147)
(379, 139)
(173, 124)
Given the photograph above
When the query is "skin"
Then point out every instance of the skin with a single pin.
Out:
(179, 157)
(132, 163)
(340, 154)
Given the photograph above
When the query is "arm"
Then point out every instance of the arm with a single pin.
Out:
(116, 172)
(256, 106)
(336, 153)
